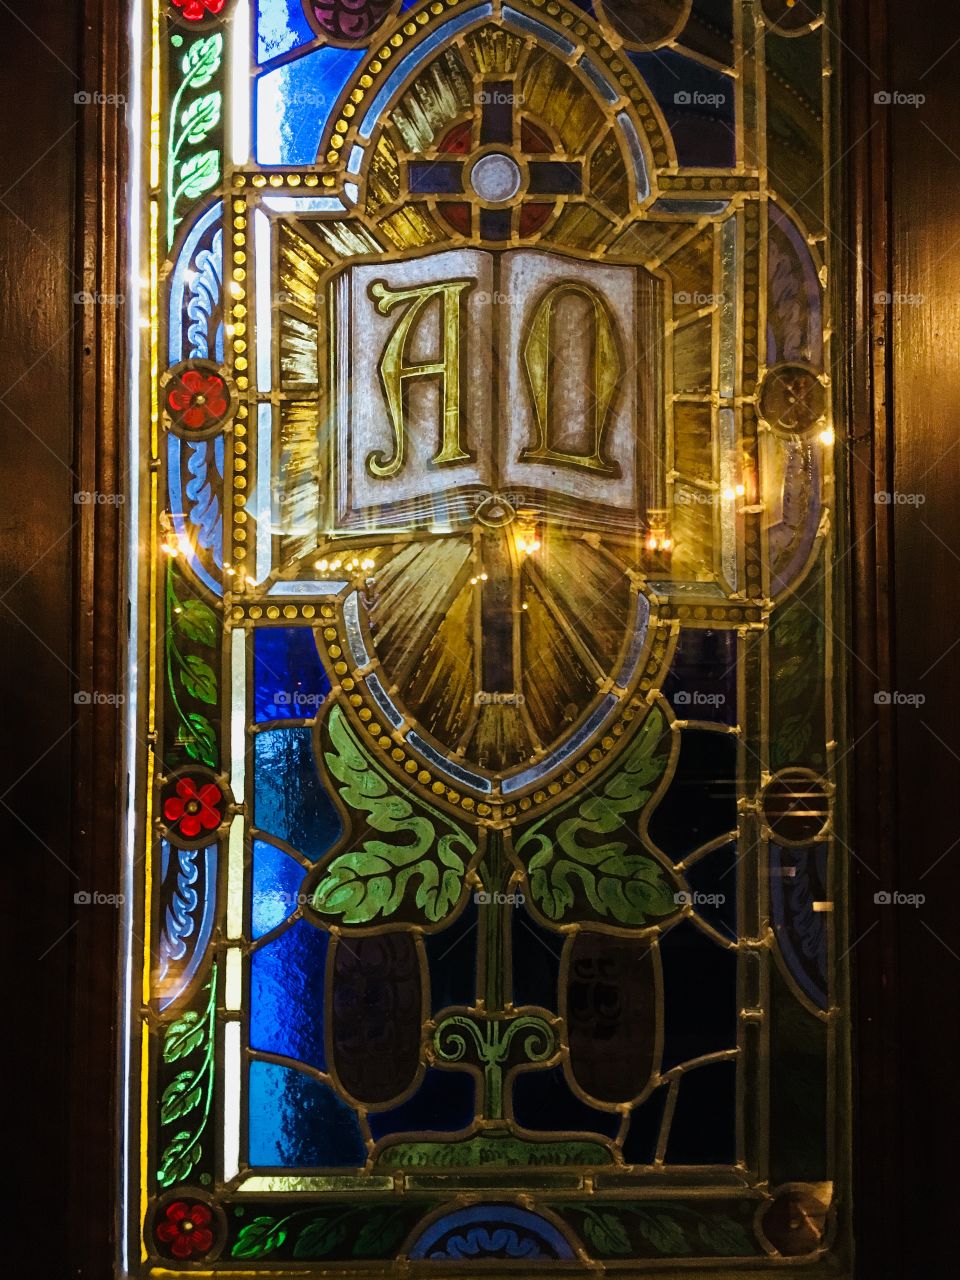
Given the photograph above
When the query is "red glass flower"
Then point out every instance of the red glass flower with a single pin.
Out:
(197, 399)
(185, 1229)
(194, 10)
(192, 810)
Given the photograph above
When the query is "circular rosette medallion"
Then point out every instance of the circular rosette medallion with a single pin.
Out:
(197, 400)
(792, 399)
(188, 1227)
(796, 806)
(647, 25)
(194, 804)
(349, 21)
(792, 17)
(194, 11)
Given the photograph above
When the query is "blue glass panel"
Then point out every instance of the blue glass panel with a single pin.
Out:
(286, 995)
(434, 175)
(281, 26)
(699, 995)
(444, 1101)
(543, 1100)
(277, 880)
(697, 103)
(701, 801)
(290, 801)
(536, 961)
(640, 1144)
(452, 957)
(704, 1122)
(485, 1231)
(702, 682)
(713, 881)
(298, 1122)
(295, 101)
(289, 681)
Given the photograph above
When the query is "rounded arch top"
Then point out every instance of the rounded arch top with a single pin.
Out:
(559, 30)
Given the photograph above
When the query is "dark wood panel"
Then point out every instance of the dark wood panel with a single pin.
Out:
(904, 292)
(59, 212)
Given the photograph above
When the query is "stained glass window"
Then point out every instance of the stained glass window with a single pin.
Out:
(485, 835)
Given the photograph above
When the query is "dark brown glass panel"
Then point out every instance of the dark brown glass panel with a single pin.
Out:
(612, 1014)
(377, 1009)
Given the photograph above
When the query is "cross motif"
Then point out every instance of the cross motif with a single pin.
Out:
(512, 168)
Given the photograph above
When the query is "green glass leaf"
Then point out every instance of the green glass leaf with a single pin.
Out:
(320, 1237)
(726, 1237)
(183, 1036)
(258, 1238)
(197, 621)
(373, 879)
(178, 1159)
(792, 738)
(606, 1232)
(380, 1235)
(200, 117)
(180, 1096)
(663, 1232)
(572, 854)
(202, 61)
(201, 740)
(198, 174)
(199, 679)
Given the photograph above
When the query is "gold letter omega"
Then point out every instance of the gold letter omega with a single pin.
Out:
(538, 358)
(393, 369)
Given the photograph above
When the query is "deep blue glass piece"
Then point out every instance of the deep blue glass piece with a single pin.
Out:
(713, 882)
(295, 101)
(484, 1231)
(536, 961)
(698, 104)
(701, 801)
(640, 1144)
(435, 176)
(703, 1130)
(798, 878)
(276, 884)
(297, 1122)
(444, 1102)
(702, 681)
(281, 26)
(543, 1101)
(286, 995)
(699, 995)
(452, 960)
(289, 681)
(290, 801)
